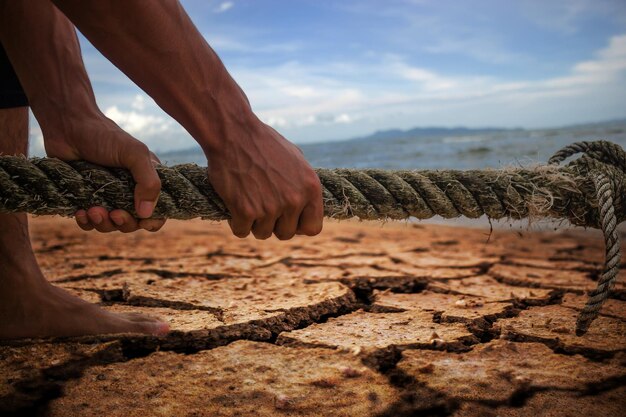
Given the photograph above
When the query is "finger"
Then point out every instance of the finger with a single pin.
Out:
(148, 184)
(99, 218)
(287, 225)
(151, 225)
(311, 220)
(240, 225)
(155, 159)
(124, 222)
(262, 228)
(82, 220)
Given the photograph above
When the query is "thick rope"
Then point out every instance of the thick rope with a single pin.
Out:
(605, 190)
(588, 191)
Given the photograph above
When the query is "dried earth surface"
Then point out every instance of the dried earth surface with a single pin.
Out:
(363, 320)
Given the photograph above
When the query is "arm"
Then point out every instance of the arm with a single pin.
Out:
(262, 178)
(43, 48)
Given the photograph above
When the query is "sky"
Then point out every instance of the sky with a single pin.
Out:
(321, 70)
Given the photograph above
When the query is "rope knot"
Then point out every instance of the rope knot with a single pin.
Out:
(600, 150)
(600, 161)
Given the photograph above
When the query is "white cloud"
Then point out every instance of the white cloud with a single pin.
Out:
(152, 126)
(317, 119)
(137, 123)
(224, 6)
(559, 15)
(337, 99)
(139, 102)
(607, 65)
(35, 140)
(304, 100)
(429, 80)
(343, 118)
(224, 43)
(480, 47)
(567, 17)
(300, 91)
(276, 122)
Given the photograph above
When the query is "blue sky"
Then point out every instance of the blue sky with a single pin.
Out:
(324, 70)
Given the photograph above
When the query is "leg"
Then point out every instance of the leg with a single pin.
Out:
(29, 305)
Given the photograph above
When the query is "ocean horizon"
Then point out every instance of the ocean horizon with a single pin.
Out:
(444, 149)
(473, 149)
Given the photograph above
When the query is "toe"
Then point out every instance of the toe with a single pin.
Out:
(141, 323)
(156, 328)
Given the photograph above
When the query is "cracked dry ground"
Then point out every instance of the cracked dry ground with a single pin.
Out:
(363, 320)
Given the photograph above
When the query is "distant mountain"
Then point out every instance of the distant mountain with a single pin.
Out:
(422, 132)
(612, 126)
(391, 134)
(430, 131)
(605, 123)
(180, 152)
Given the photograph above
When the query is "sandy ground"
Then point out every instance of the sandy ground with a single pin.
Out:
(363, 320)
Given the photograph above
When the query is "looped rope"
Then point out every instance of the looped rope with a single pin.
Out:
(600, 150)
(590, 191)
(599, 153)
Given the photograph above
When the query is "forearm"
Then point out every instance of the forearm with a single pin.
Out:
(159, 48)
(43, 48)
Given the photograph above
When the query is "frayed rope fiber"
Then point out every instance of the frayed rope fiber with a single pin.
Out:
(588, 191)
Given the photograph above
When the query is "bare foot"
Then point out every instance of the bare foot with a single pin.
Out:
(51, 311)
(31, 307)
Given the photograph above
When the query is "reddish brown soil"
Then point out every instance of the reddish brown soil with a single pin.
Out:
(363, 320)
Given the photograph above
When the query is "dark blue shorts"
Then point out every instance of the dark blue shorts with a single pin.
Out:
(11, 91)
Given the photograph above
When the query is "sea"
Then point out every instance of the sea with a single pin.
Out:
(441, 148)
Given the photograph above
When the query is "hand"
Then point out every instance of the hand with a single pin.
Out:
(266, 184)
(99, 140)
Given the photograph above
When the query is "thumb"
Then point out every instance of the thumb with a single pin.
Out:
(141, 163)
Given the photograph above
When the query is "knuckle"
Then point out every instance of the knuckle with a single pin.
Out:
(270, 209)
(311, 230)
(261, 232)
(240, 233)
(312, 179)
(293, 200)
(140, 148)
(313, 184)
(262, 235)
(136, 150)
(245, 213)
(285, 235)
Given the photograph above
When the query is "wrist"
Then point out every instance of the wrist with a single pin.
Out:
(58, 119)
(64, 126)
(226, 120)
